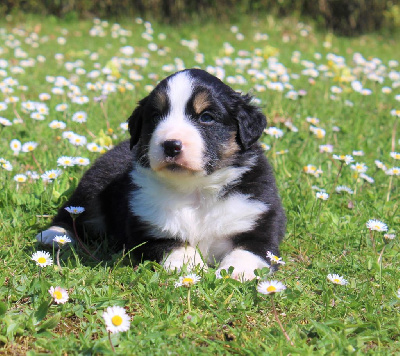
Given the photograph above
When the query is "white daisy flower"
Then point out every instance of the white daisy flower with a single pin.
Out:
(320, 133)
(188, 280)
(59, 294)
(343, 188)
(57, 125)
(395, 171)
(359, 167)
(326, 148)
(78, 140)
(42, 258)
(376, 225)
(79, 117)
(275, 259)
(6, 164)
(65, 161)
(61, 240)
(37, 116)
(358, 153)
(49, 176)
(15, 145)
(346, 158)
(61, 107)
(270, 287)
(367, 178)
(274, 131)
(5, 122)
(75, 210)
(81, 161)
(389, 236)
(312, 120)
(380, 165)
(336, 279)
(395, 155)
(322, 195)
(20, 178)
(93, 147)
(28, 146)
(116, 319)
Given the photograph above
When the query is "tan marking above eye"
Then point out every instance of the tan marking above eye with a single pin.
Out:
(201, 102)
(160, 101)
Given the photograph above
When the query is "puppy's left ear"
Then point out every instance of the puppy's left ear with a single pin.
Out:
(251, 122)
(135, 122)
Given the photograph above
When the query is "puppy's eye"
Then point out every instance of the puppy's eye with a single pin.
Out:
(206, 118)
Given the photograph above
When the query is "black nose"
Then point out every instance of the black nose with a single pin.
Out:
(172, 148)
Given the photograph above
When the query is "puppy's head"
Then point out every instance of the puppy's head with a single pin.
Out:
(192, 123)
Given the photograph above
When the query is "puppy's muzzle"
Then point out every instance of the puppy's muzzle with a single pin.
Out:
(172, 148)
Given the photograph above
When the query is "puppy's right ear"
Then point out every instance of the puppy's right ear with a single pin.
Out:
(135, 122)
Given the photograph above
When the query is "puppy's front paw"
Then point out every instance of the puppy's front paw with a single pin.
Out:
(183, 256)
(46, 237)
(244, 264)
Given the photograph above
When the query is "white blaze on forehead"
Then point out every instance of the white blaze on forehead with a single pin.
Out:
(179, 93)
(177, 126)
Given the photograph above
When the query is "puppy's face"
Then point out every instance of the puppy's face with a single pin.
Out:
(192, 123)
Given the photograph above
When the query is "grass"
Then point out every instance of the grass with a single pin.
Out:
(226, 316)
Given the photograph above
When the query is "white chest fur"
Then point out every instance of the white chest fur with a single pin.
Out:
(194, 213)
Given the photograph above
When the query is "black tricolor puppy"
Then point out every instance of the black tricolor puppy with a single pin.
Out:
(192, 182)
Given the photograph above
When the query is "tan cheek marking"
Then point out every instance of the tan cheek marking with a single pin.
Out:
(230, 148)
(201, 102)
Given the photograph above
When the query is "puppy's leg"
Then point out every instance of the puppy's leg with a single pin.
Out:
(62, 223)
(46, 237)
(183, 256)
(244, 263)
(250, 248)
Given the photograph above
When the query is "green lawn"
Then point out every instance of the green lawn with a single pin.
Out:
(296, 74)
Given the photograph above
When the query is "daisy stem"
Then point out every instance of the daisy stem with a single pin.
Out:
(337, 178)
(279, 322)
(80, 241)
(18, 116)
(394, 134)
(371, 234)
(37, 163)
(188, 301)
(109, 339)
(58, 258)
(390, 188)
(319, 210)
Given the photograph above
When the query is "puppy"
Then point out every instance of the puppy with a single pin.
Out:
(192, 186)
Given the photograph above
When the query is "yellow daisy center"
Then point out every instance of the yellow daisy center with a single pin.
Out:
(187, 280)
(116, 320)
(336, 280)
(57, 294)
(271, 289)
(20, 179)
(42, 260)
(61, 241)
